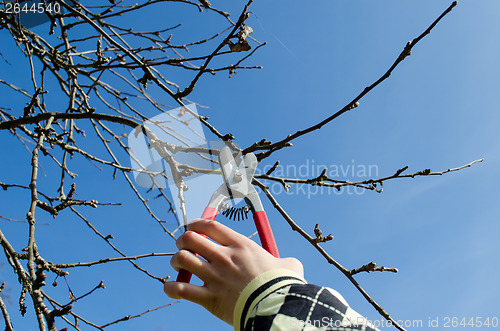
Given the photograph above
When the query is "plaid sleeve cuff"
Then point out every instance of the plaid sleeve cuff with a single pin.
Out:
(281, 300)
(259, 288)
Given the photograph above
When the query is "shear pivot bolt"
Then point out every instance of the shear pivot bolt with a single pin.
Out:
(238, 177)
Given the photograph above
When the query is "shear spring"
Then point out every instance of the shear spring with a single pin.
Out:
(233, 213)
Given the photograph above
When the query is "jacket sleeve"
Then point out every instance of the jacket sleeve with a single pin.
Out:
(281, 300)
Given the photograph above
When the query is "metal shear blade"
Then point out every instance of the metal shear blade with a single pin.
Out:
(237, 178)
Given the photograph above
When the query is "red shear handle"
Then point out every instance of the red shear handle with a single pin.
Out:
(184, 276)
(265, 233)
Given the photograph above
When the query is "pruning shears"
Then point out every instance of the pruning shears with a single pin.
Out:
(238, 184)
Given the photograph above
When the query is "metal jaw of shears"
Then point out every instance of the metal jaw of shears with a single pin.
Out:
(238, 184)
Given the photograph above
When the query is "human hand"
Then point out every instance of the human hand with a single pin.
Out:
(232, 261)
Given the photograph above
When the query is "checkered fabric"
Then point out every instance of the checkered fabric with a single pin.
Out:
(280, 300)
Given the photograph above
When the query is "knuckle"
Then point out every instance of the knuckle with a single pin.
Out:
(174, 291)
(226, 258)
(183, 256)
(248, 246)
(184, 238)
(180, 259)
(240, 255)
(188, 236)
(180, 291)
(211, 225)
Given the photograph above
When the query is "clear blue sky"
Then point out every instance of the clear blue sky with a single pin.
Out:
(438, 110)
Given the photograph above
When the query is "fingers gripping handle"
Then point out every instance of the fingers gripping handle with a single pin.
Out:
(263, 228)
(184, 276)
(265, 233)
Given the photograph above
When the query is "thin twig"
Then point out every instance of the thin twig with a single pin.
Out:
(5, 313)
(129, 317)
